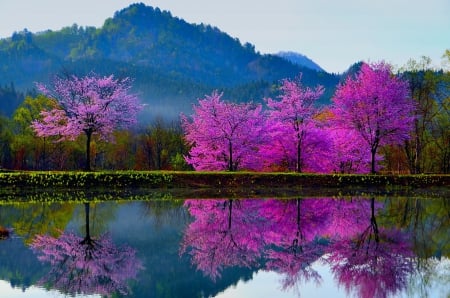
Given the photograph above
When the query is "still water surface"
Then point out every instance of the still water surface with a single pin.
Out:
(306, 247)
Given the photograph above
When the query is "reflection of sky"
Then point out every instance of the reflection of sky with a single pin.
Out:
(266, 284)
(32, 292)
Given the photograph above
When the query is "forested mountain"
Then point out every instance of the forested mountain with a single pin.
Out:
(172, 62)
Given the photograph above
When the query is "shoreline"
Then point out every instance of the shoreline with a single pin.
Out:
(29, 186)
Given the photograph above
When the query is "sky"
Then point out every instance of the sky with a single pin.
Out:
(333, 33)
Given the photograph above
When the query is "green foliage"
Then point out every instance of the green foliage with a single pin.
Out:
(423, 217)
(6, 137)
(10, 99)
(427, 151)
(34, 219)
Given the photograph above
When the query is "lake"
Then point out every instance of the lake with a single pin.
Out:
(260, 247)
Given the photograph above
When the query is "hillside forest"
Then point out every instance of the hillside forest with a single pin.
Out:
(190, 90)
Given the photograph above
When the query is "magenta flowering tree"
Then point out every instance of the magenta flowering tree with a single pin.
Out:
(224, 135)
(377, 106)
(349, 152)
(292, 122)
(224, 233)
(86, 265)
(89, 105)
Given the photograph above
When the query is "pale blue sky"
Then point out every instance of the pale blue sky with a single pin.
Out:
(334, 33)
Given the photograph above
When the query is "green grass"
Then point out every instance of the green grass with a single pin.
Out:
(217, 180)
(50, 187)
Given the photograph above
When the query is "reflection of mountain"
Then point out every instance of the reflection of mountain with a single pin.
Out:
(157, 239)
(18, 265)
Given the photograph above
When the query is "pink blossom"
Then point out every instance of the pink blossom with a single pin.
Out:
(224, 135)
(90, 105)
(376, 105)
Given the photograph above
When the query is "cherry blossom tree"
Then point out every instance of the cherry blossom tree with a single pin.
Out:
(376, 105)
(89, 105)
(224, 135)
(292, 122)
(224, 233)
(349, 152)
(86, 265)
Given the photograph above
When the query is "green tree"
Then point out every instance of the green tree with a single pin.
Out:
(30, 152)
(6, 137)
(441, 129)
(28, 220)
(161, 147)
(426, 88)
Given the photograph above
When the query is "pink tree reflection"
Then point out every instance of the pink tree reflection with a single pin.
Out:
(293, 242)
(86, 265)
(375, 263)
(289, 236)
(224, 233)
(348, 218)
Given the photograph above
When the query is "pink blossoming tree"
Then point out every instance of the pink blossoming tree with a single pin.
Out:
(349, 152)
(292, 122)
(375, 104)
(89, 105)
(224, 135)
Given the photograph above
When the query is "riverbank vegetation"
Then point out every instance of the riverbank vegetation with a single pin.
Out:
(319, 140)
(226, 181)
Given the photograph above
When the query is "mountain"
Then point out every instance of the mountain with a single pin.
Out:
(171, 61)
(300, 59)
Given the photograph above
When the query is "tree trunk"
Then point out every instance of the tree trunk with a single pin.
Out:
(373, 151)
(373, 221)
(87, 238)
(86, 211)
(230, 160)
(372, 166)
(299, 156)
(230, 210)
(88, 150)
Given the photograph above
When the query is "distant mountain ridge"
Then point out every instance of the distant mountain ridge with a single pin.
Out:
(299, 59)
(172, 62)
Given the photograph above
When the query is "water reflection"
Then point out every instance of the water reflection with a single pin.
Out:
(225, 233)
(375, 262)
(86, 265)
(369, 247)
(288, 236)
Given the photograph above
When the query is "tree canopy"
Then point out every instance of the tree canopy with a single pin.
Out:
(90, 105)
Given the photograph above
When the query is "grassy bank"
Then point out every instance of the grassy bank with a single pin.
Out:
(216, 180)
(16, 187)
